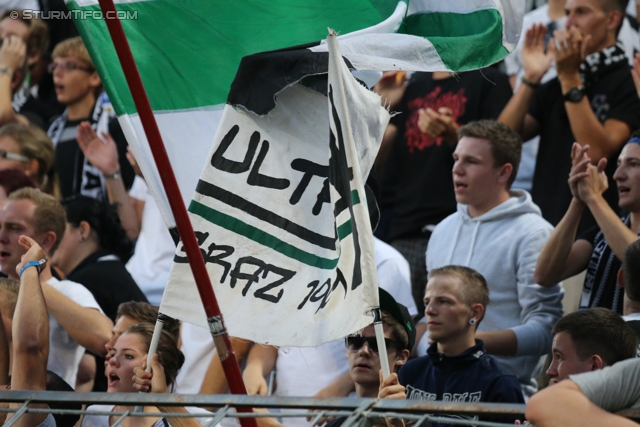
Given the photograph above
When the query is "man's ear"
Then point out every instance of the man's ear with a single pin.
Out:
(48, 240)
(94, 80)
(505, 173)
(32, 168)
(402, 358)
(614, 19)
(620, 278)
(597, 363)
(477, 311)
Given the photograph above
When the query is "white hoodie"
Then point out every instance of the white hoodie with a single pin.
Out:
(503, 245)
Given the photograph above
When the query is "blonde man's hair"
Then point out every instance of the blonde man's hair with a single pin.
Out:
(49, 214)
(73, 47)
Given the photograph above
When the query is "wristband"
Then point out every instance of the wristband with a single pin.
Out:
(7, 71)
(36, 264)
(114, 175)
(529, 83)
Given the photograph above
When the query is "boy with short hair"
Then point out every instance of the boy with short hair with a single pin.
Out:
(79, 88)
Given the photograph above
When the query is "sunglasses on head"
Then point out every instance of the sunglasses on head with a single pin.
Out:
(355, 343)
(13, 156)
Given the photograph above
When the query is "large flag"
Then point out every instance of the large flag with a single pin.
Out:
(188, 52)
(279, 209)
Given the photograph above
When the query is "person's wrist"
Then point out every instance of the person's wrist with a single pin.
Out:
(569, 80)
(6, 71)
(532, 77)
(113, 175)
(27, 265)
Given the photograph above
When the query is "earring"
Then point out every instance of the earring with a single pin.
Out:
(472, 321)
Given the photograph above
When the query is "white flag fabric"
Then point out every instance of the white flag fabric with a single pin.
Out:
(188, 52)
(281, 218)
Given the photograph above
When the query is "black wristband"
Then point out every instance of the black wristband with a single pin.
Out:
(529, 83)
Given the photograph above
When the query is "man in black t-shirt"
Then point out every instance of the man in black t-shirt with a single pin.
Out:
(592, 101)
(418, 184)
(600, 249)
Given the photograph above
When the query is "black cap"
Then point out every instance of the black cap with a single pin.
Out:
(398, 312)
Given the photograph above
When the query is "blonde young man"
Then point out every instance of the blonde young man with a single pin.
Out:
(79, 88)
(456, 366)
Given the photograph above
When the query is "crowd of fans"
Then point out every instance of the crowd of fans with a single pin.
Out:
(477, 231)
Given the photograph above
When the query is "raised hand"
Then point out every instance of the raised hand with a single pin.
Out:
(13, 53)
(535, 61)
(101, 154)
(595, 183)
(154, 381)
(568, 47)
(579, 162)
(438, 124)
(34, 251)
(391, 87)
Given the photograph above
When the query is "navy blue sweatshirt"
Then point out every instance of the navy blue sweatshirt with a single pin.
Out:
(472, 376)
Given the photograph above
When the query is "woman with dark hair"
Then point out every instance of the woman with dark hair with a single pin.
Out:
(128, 353)
(93, 251)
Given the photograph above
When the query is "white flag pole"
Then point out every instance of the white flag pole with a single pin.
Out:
(382, 346)
(341, 103)
(153, 348)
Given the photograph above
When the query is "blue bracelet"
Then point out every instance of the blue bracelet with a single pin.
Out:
(36, 264)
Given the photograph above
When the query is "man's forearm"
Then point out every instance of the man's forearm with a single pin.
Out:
(586, 127)
(515, 111)
(617, 234)
(6, 108)
(565, 405)
(500, 343)
(552, 266)
(119, 196)
(87, 326)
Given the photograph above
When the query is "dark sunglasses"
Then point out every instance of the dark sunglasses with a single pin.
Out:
(355, 343)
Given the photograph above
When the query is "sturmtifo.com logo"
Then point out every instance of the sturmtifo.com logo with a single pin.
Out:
(75, 14)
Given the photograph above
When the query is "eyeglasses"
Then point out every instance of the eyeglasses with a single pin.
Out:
(355, 343)
(13, 156)
(67, 66)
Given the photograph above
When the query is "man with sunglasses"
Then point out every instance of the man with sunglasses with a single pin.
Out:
(363, 351)
(456, 366)
(79, 88)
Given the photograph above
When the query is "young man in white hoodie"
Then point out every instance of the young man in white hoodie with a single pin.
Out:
(500, 234)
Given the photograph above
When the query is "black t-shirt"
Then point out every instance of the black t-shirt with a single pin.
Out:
(612, 97)
(421, 165)
(600, 287)
(69, 162)
(108, 280)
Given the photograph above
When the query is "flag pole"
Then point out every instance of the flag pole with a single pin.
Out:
(196, 261)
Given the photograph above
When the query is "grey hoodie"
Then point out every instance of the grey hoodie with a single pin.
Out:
(503, 245)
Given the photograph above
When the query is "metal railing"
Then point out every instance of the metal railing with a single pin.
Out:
(358, 411)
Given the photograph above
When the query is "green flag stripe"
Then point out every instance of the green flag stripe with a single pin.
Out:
(195, 60)
(259, 236)
(470, 40)
(250, 232)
